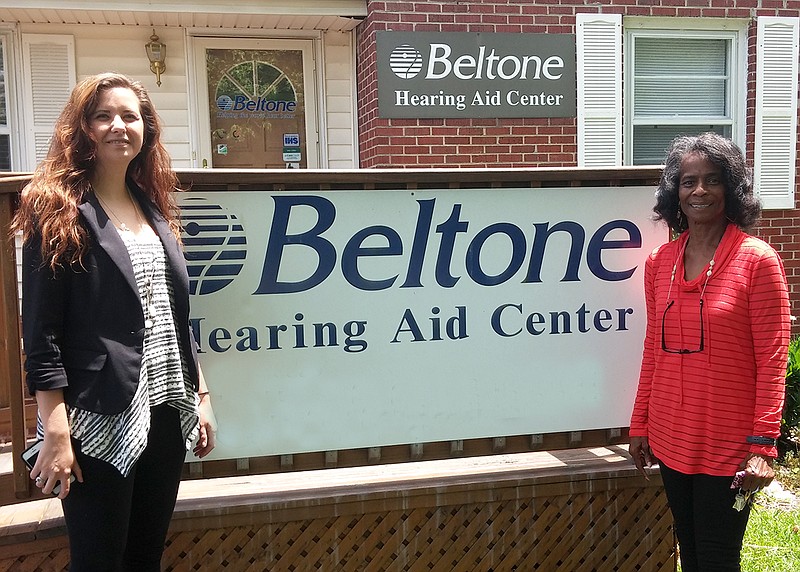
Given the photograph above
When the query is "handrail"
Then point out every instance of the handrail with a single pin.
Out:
(353, 179)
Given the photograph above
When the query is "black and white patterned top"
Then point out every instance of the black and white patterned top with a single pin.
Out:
(120, 439)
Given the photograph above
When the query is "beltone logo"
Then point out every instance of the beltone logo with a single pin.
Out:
(215, 244)
(476, 75)
(406, 62)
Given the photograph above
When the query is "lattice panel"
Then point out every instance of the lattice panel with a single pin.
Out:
(619, 530)
(50, 561)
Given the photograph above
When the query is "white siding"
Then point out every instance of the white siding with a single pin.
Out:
(340, 98)
(121, 49)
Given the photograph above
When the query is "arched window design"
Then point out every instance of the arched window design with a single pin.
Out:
(256, 80)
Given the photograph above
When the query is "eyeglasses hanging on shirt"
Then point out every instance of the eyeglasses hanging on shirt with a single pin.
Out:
(671, 303)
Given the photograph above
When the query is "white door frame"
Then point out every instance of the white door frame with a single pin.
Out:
(199, 105)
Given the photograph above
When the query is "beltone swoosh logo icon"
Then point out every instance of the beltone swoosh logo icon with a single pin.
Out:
(214, 243)
(405, 61)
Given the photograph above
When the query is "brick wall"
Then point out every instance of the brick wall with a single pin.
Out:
(541, 142)
(460, 142)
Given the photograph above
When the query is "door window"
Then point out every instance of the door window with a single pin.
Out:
(257, 112)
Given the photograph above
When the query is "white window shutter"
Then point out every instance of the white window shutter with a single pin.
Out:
(599, 51)
(49, 71)
(775, 153)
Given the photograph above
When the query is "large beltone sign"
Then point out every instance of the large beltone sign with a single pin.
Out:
(350, 319)
(423, 74)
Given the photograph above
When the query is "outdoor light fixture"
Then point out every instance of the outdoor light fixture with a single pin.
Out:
(156, 53)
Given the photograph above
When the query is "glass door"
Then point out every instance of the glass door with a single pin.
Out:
(256, 103)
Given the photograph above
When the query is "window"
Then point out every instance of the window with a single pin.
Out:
(5, 130)
(680, 83)
(688, 79)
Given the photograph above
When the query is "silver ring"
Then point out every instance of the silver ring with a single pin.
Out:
(38, 481)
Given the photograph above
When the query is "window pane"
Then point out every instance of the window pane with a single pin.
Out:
(680, 57)
(680, 76)
(650, 142)
(692, 97)
(5, 153)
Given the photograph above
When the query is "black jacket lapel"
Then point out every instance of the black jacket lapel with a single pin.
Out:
(108, 238)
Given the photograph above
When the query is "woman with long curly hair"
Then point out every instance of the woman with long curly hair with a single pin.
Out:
(710, 398)
(109, 354)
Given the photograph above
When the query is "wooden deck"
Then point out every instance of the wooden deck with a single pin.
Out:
(571, 510)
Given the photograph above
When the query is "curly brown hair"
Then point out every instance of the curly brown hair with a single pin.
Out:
(742, 206)
(49, 202)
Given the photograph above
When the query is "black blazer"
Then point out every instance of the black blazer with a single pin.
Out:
(83, 327)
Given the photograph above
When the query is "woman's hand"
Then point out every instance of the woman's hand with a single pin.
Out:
(207, 438)
(642, 456)
(758, 472)
(56, 463)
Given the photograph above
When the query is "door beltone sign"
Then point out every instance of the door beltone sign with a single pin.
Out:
(424, 74)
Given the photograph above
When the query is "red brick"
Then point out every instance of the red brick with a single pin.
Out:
(403, 140)
(481, 7)
(399, 6)
(509, 29)
(448, 18)
(665, 11)
(430, 141)
(534, 29)
(431, 159)
(470, 149)
(507, 9)
(426, 7)
(412, 18)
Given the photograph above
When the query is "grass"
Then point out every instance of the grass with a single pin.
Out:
(772, 540)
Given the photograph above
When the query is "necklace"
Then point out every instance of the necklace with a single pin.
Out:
(148, 296)
(148, 269)
(135, 208)
(675, 269)
(148, 272)
(122, 225)
(148, 280)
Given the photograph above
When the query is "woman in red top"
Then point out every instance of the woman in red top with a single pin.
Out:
(711, 386)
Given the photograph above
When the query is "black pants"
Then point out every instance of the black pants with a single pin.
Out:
(117, 523)
(709, 529)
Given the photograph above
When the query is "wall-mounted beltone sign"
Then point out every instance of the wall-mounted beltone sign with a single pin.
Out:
(351, 319)
(424, 74)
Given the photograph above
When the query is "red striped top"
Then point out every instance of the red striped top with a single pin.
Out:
(697, 409)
